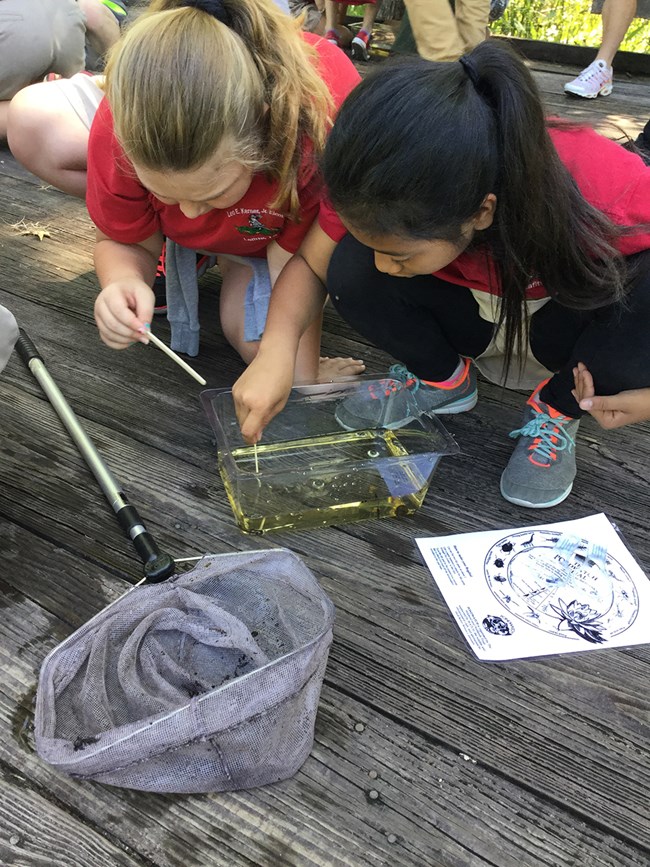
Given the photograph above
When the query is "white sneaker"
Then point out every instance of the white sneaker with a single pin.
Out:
(595, 80)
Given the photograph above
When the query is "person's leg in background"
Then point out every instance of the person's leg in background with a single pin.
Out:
(335, 29)
(472, 17)
(31, 35)
(596, 79)
(435, 29)
(102, 23)
(360, 42)
(48, 130)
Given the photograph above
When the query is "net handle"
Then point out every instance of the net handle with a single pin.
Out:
(158, 565)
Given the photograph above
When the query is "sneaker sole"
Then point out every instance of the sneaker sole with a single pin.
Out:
(463, 405)
(605, 91)
(528, 505)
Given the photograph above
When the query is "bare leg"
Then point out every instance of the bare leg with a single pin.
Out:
(309, 366)
(617, 16)
(235, 278)
(47, 136)
(331, 15)
(102, 29)
(369, 15)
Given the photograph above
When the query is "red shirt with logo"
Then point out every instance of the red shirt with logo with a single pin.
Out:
(127, 212)
(609, 177)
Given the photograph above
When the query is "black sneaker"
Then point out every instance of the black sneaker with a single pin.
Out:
(359, 49)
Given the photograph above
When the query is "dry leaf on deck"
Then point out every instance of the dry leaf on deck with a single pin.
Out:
(22, 227)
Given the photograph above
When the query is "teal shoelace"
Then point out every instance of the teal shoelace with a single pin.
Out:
(537, 428)
(400, 372)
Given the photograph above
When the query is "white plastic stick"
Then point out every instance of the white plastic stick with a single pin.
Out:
(170, 352)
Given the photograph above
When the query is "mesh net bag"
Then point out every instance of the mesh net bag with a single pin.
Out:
(207, 682)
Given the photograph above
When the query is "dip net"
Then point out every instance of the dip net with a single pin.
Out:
(207, 682)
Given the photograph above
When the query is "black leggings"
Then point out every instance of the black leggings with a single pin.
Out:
(426, 323)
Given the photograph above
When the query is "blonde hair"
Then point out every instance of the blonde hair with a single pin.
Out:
(180, 83)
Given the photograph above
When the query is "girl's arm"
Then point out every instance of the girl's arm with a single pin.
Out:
(296, 303)
(277, 258)
(616, 410)
(126, 273)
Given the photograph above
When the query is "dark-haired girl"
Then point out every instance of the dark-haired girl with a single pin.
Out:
(524, 240)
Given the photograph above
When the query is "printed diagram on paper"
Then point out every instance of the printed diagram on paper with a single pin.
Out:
(532, 591)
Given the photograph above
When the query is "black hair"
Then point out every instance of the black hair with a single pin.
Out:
(417, 147)
(216, 8)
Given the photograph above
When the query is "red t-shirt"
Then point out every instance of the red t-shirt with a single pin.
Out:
(127, 212)
(610, 178)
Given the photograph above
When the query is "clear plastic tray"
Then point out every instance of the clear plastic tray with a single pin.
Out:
(310, 471)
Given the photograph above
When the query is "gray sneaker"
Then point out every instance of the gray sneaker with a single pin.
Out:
(542, 468)
(404, 397)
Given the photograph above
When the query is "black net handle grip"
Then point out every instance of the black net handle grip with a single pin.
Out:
(26, 348)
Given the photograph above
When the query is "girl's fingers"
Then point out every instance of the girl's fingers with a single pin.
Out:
(112, 330)
(144, 304)
(583, 381)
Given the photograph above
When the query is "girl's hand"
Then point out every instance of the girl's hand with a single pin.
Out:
(122, 310)
(260, 393)
(616, 410)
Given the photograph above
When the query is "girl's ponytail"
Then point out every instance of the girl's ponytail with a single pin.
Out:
(545, 229)
(299, 103)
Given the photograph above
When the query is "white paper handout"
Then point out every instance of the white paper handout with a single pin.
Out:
(549, 588)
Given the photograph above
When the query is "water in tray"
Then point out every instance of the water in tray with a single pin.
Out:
(340, 477)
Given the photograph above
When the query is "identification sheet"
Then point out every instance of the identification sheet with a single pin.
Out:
(545, 589)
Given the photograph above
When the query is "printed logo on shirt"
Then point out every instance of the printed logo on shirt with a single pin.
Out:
(255, 228)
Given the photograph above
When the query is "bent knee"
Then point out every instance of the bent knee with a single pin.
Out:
(44, 132)
(28, 121)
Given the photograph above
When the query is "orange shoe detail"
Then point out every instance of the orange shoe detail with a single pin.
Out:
(451, 383)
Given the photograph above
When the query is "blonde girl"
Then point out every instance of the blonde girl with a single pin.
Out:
(215, 114)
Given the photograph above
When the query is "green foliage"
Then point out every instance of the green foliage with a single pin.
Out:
(567, 22)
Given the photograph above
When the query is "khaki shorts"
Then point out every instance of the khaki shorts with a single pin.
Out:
(37, 37)
(312, 16)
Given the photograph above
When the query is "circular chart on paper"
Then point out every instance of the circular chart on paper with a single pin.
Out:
(576, 597)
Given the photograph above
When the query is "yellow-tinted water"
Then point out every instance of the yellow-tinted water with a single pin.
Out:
(334, 479)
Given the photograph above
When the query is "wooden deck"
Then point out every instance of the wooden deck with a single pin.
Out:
(423, 756)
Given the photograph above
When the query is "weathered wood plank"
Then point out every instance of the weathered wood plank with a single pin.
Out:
(431, 661)
(36, 830)
(373, 791)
